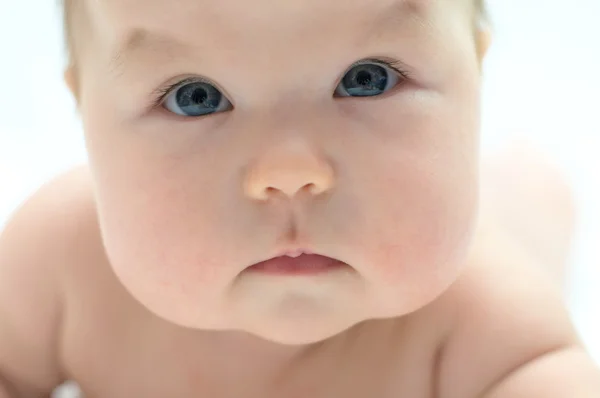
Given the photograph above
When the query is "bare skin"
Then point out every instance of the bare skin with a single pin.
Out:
(115, 348)
(133, 275)
(530, 199)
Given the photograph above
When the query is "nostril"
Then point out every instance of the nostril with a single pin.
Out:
(271, 193)
(271, 190)
(315, 189)
(310, 188)
(290, 192)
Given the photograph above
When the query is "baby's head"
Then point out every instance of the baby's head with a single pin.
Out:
(221, 134)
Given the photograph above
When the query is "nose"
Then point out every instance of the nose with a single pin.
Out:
(288, 171)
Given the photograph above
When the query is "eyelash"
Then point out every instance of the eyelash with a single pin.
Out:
(161, 93)
(393, 64)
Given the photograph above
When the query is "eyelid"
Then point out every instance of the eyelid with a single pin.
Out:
(161, 93)
(400, 69)
(393, 64)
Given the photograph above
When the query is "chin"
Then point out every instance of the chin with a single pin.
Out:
(303, 330)
(300, 335)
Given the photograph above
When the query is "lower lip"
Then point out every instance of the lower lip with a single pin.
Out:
(306, 264)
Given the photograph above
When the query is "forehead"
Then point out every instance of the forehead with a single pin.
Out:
(258, 10)
(119, 18)
(142, 31)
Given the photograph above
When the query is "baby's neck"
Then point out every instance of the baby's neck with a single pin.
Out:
(242, 344)
(262, 365)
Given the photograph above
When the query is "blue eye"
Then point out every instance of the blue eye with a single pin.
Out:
(368, 80)
(196, 99)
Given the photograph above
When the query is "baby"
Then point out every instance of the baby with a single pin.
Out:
(281, 201)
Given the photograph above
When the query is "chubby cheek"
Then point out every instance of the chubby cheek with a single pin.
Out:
(159, 233)
(170, 266)
(423, 222)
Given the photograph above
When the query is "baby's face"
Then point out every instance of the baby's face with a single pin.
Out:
(223, 133)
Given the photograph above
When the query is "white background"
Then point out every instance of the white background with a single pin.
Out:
(542, 83)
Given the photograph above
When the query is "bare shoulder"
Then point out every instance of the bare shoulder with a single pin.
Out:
(57, 205)
(56, 222)
(37, 247)
(60, 221)
(509, 312)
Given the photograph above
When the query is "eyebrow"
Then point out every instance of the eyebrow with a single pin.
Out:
(141, 39)
(397, 14)
(388, 19)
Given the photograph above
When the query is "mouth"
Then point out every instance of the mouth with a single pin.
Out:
(298, 264)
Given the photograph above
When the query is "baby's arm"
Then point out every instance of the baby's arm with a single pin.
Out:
(32, 255)
(513, 336)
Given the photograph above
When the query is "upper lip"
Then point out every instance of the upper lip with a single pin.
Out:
(290, 251)
(294, 252)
